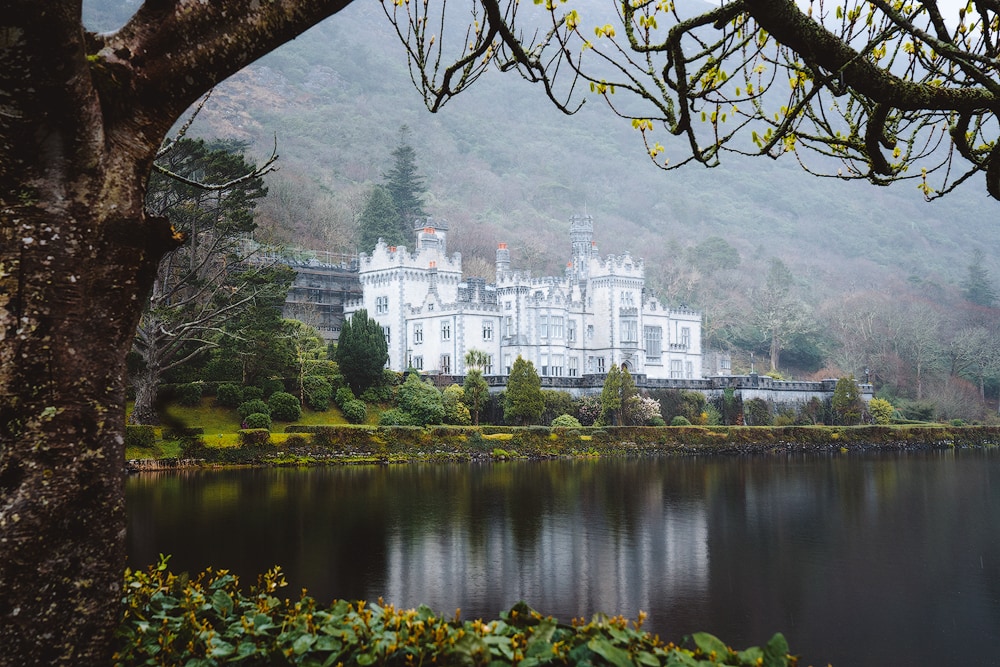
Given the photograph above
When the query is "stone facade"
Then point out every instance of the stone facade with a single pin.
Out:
(597, 314)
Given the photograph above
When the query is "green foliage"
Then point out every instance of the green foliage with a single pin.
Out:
(475, 392)
(140, 436)
(523, 400)
(254, 440)
(566, 421)
(379, 220)
(846, 403)
(361, 351)
(355, 411)
(254, 405)
(678, 402)
(405, 186)
(209, 620)
(977, 286)
(455, 411)
(680, 421)
(284, 407)
(271, 386)
(421, 401)
(343, 396)
(258, 420)
(189, 394)
(318, 391)
(757, 412)
(252, 392)
(588, 409)
(229, 395)
(556, 403)
(395, 417)
(881, 411)
(611, 397)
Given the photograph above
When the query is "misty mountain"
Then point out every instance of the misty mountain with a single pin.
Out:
(502, 164)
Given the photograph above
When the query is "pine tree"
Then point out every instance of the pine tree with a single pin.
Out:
(404, 185)
(379, 220)
(977, 287)
(361, 351)
(523, 401)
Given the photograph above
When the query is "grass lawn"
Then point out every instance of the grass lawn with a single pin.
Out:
(217, 420)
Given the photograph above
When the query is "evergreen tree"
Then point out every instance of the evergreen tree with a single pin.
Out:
(361, 351)
(611, 396)
(379, 220)
(404, 185)
(523, 401)
(421, 401)
(977, 287)
(475, 393)
(846, 402)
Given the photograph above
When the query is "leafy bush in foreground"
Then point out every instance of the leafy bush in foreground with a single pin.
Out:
(208, 620)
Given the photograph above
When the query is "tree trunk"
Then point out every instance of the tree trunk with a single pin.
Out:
(146, 383)
(65, 335)
(775, 349)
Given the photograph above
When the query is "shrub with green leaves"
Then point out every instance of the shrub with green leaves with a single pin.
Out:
(271, 386)
(140, 436)
(394, 417)
(189, 394)
(318, 392)
(253, 405)
(229, 395)
(881, 411)
(680, 421)
(209, 620)
(343, 395)
(251, 392)
(258, 420)
(355, 411)
(566, 421)
(285, 407)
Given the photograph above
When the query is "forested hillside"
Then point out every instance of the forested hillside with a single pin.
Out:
(501, 164)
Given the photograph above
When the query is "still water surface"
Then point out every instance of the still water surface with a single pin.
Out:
(859, 560)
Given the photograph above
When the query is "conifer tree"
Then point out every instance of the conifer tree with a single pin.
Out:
(405, 186)
(977, 287)
(523, 402)
(379, 220)
(361, 351)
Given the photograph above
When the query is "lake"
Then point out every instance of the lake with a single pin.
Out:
(880, 559)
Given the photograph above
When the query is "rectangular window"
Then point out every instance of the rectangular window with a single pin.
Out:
(446, 331)
(725, 364)
(508, 323)
(574, 369)
(382, 304)
(506, 305)
(488, 366)
(506, 364)
(654, 342)
(630, 332)
(557, 327)
(418, 363)
(543, 326)
(446, 364)
(557, 365)
(689, 369)
(571, 330)
(590, 332)
(487, 330)
(544, 363)
(388, 339)
(685, 337)
(676, 369)
(418, 334)
(600, 364)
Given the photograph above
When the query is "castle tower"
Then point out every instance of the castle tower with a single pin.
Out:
(503, 259)
(581, 236)
(431, 234)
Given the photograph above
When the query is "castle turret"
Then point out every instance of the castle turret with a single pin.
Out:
(503, 259)
(431, 235)
(581, 235)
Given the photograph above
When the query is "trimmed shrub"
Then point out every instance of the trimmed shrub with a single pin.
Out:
(680, 421)
(757, 412)
(657, 421)
(189, 394)
(141, 436)
(343, 395)
(253, 437)
(379, 393)
(271, 386)
(247, 408)
(881, 411)
(284, 406)
(566, 421)
(318, 392)
(250, 393)
(229, 395)
(355, 411)
(394, 417)
(258, 420)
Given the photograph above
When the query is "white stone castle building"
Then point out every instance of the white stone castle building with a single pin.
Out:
(597, 314)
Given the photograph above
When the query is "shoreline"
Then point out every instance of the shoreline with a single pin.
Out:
(353, 445)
